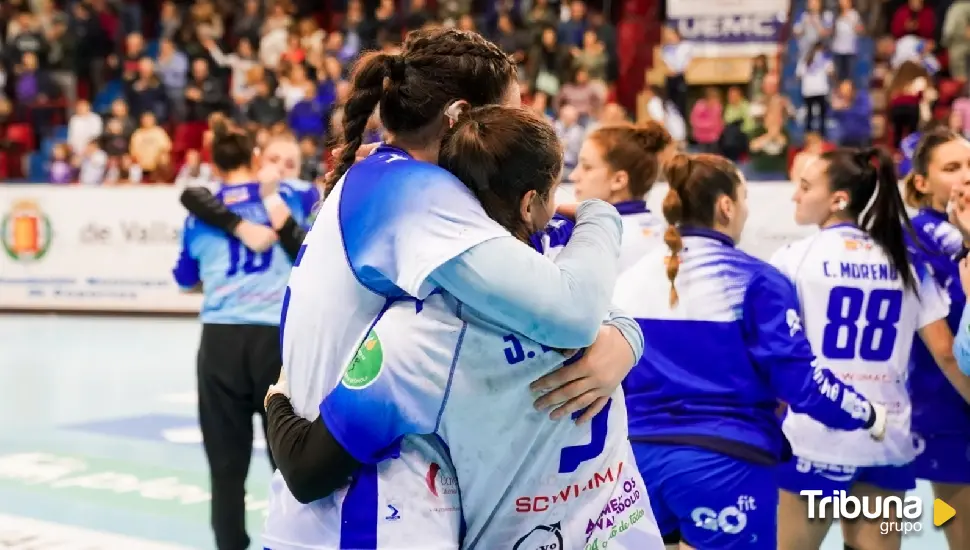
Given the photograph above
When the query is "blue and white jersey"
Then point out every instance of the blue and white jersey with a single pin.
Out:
(306, 192)
(937, 408)
(526, 482)
(392, 220)
(718, 361)
(862, 321)
(642, 232)
(240, 287)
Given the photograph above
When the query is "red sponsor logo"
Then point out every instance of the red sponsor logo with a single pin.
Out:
(542, 503)
(436, 479)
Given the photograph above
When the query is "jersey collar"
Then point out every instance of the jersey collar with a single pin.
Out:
(933, 213)
(626, 208)
(707, 234)
(385, 148)
(842, 225)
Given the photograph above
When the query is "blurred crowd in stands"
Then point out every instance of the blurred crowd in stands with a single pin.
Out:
(110, 92)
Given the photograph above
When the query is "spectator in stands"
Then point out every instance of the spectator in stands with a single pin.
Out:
(511, 39)
(294, 54)
(571, 31)
(853, 112)
(92, 164)
(203, 94)
(676, 55)
(769, 148)
(913, 18)
(581, 94)
(572, 134)
(759, 70)
(194, 171)
(961, 106)
(207, 20)
(119, 111)
(707, 120)
(24, 36)
(352, 40)
(812, 26)
(548, 63)
(122, 170)
(607, 36)
(308, 116)
(150, 144)
(62, 56)
(239, 62)
(134, 51)
(845, 38)
(293, 85)
(83, 127)
(312, 37)
(147, 94)
(60, 170)
(904, 97)
(265, 109)
(169, 20)
(274, 36)
(956, 38)
(114, 142)
(738, 110)
(592, 57)
(248, 24)
(815, 71)
(173, 69)
(916, 50)
(33, 84)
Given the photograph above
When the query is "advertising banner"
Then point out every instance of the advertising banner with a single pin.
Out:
(89, 248)
(730, 28)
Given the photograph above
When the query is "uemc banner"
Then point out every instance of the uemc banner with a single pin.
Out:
(730, 28)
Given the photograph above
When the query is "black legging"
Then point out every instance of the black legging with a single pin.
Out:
(676, 88)
(810, 107)
(905, 120)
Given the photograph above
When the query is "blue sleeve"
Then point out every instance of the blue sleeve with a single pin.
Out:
(186, 271)
(559, 229)
(779, 348)
(559, 304)
(961, 343)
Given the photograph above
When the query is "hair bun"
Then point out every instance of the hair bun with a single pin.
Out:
(652, 136)
(396, 67)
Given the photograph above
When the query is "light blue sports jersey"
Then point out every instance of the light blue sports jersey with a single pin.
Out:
(239, 286)
(719, 360)
(436, 367)
(306, 192)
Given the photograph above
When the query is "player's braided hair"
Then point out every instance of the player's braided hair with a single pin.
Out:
(696, 183)
(435, 68)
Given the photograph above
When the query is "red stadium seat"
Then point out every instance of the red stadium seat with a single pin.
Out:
(22, 135)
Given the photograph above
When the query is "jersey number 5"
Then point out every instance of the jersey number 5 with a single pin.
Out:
(841, 340)
(571, 457)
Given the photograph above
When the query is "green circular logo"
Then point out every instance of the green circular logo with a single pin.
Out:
(367, 364)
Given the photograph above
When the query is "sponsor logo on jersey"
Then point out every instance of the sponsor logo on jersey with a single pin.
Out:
(392, 513)
(541, 503)
(436, 479)
(367, 364)
(235, 195)
(541, 537)
(25, 232)
(730, 520)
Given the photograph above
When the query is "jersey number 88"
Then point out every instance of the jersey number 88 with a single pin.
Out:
(881, 311)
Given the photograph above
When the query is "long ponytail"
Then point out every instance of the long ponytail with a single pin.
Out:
(886, 219)
(875, 203)
(678, 172)
(368, 89)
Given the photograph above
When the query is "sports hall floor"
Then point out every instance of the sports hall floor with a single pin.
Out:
(99, 446)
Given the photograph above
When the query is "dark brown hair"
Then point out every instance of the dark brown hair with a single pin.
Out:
(500, 154)
(696, 183)
(634, 150)
(232, 149)
(435, 68)
(862, 174)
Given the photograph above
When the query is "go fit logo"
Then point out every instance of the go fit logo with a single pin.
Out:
(897, 515)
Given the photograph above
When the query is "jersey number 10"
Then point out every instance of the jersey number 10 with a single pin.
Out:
(880, 310)
(252, 262)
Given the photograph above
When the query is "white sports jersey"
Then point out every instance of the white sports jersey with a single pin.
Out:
(385, 227)
(642, 232)
(526, 482)
(861, 322)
